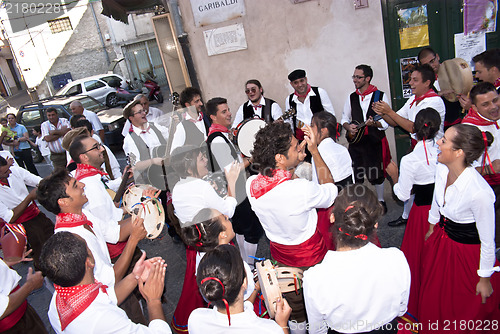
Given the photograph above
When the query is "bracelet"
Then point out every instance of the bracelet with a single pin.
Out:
(285, 327)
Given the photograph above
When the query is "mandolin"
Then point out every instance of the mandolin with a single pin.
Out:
(356, 138)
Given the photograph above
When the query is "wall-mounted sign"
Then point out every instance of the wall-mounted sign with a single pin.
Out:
(225, 39)
(408, 64)
(413, 27)
(207, 12)
(480, 16)
(467, 46)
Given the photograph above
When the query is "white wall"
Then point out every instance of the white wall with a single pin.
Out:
(327, 38)
(39, 46)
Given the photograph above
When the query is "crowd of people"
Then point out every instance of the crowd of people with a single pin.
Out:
(323, 222)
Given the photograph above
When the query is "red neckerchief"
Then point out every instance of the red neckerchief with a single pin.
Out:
(217, 128)
(262, 184)
(194, 120)
(305, 95)
(369, 90)
(71, 220)
(497, 82)
(473, 117)
(430, 93)
(5, 183)
(73, 300)
(84, 170)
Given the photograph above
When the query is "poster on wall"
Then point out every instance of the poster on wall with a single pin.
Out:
(225, 39)
(480, 16)
(413, 27)
(207, 12)
(468, 46)
(408, 64)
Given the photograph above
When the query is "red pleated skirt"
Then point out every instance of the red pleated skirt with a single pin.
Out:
(412, 246)
(324, 226)
(448, 301)
(190, 298)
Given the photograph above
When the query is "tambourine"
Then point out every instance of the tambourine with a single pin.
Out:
(133, 195)
(218, 181)
(277, 280)
(244, 134)
(151, 210)
(455, 75)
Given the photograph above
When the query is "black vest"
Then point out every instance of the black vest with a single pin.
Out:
(314, 103)
(213, 162)
(249, 111)
(357, 115)
(193, 135)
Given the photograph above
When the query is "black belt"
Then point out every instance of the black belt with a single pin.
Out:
(423, 193)
(462, 233)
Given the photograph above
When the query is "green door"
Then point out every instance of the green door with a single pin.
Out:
(405, 26)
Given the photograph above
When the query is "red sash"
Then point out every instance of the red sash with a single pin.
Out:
(9, 321)
(306, 254)
(116, 249)
(29, 213)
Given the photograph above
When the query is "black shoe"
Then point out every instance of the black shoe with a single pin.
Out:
(385, 206)
(398, 222)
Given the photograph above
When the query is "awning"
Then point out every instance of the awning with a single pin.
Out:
(119, 9)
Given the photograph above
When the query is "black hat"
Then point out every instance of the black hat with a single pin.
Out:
(297, 74)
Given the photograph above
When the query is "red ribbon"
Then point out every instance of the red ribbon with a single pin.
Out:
(223, 293)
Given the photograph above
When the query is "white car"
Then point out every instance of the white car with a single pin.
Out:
(96, 86)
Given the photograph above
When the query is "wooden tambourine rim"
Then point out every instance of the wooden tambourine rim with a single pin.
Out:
(466, 80)
(128, 206)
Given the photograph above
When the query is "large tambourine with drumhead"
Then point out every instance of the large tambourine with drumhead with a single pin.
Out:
(274, 281)
(151, 210)
(455, 75)
(133, 196)
(244, 134)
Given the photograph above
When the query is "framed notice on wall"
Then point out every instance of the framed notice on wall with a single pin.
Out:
(413, 27)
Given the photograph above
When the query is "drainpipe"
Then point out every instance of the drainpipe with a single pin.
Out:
(182, 36)
(99, 33)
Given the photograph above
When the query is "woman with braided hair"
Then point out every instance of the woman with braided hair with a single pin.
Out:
(222, 281)
(360, 287)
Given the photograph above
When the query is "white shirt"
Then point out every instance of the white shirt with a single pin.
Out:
(494, 149)
(96, 242)
(180, 133)
(12, 196)
(469, 199)
(205, 320)
(365, 104)
(354, 290)
(190, 195)
(149, 138)
(276, 111)
(154, 115)
(99, 203)
(56, 145)
(287, 212)
(42, 146)
(103, 316)
(434, 102)
(10, 279)
(304, 112)
(336, 157)
(94, 119)
(414, 169)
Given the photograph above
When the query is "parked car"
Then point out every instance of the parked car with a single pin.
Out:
(33, 114)
(96, 86)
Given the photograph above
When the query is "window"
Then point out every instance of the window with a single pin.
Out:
(60, 25)
(75, 90)
(31, 118)
(93, 84)
(60, 112)
(111, 77)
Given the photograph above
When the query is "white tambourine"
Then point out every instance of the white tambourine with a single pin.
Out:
(277, 280)
(151, 210)
(245, 134)
(133, 196)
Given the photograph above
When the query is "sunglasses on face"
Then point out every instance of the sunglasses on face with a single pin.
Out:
(253, 90)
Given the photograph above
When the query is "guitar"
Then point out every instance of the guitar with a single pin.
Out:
(356, 138)
(131, 160)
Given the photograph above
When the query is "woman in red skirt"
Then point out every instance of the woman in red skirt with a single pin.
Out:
(417, 171)
(459, 291)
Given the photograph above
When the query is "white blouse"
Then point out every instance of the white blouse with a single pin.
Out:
(414, 169)
(469, 199)
(336, 157)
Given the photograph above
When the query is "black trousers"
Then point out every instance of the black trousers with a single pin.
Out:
(38, 230)
(25, 160)
(30, 323)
